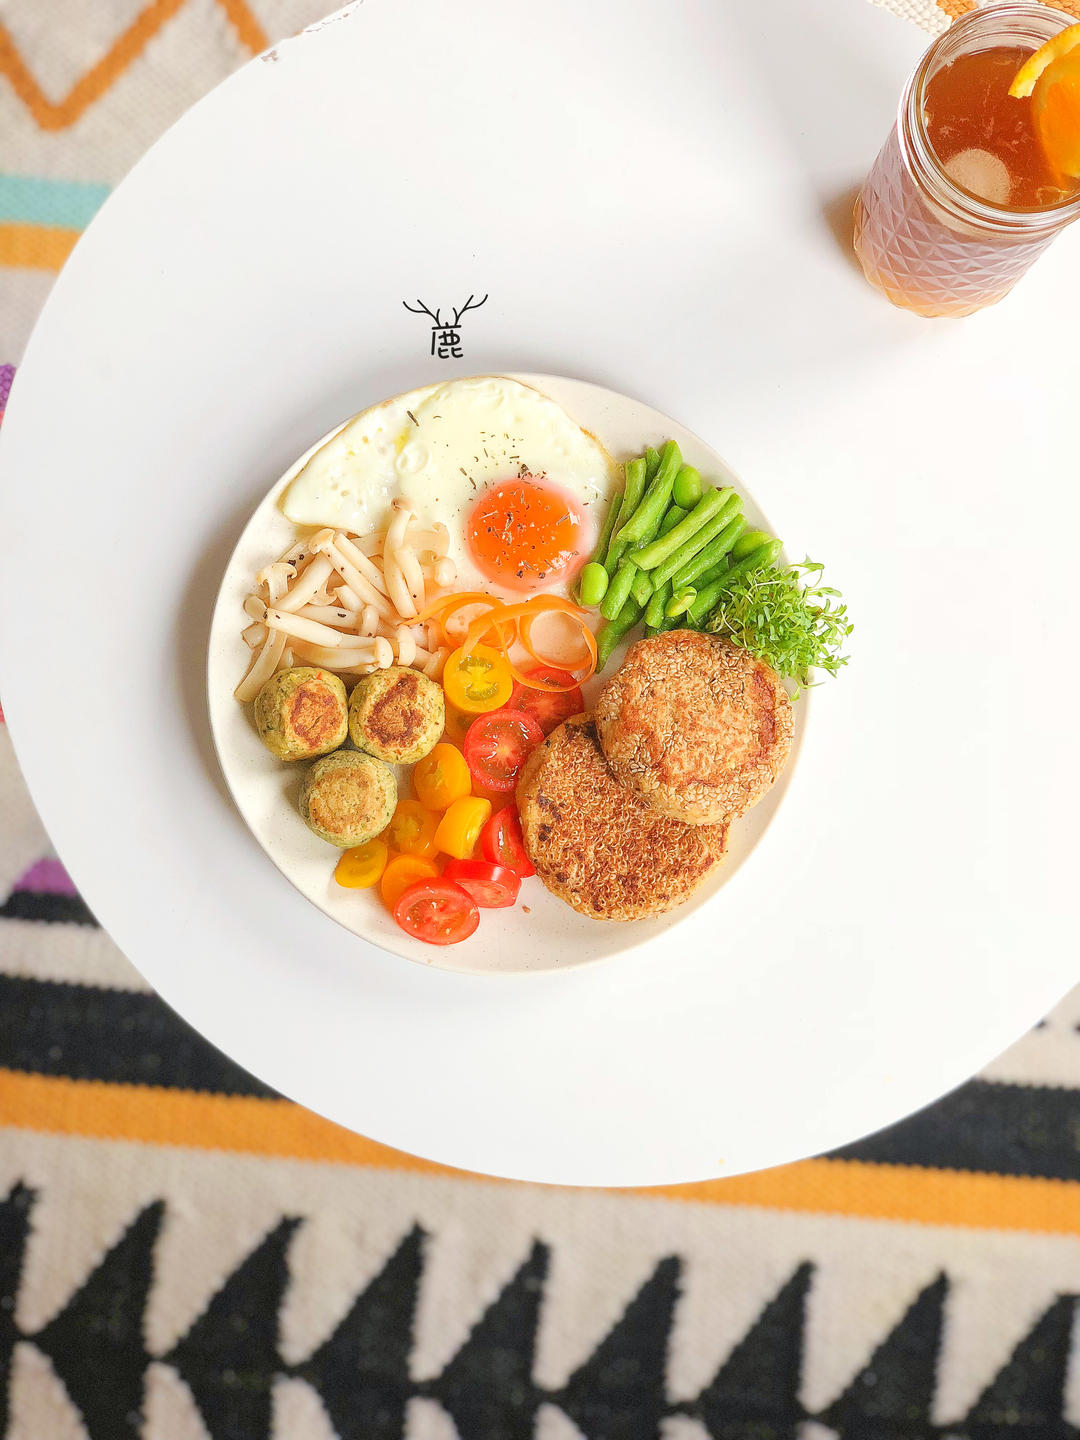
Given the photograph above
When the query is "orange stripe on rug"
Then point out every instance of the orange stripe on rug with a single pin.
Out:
(98, 80)
(35, 247)
(248, 30)
(243, 1125)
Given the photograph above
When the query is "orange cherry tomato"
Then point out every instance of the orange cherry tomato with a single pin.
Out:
(400, 873)
(459, 829)
(361, 867)
(477, 680)
(441, 777)
(412, 830)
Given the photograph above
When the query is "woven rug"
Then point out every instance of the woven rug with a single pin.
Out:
(184, 1254)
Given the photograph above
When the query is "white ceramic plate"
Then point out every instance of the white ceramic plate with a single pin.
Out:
(656, 215)
(551, 936)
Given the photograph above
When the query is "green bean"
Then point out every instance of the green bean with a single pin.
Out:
(652, 463)
(749, 540)
(687, 488)
(671, 519)
(716, 549)
(633, 489)
(665, 545)
(618, 591)
(642, 588)
(704, 601)
(656, 500)
(614, 631)
(606, 529)
(697, 542)
(713, 573)
(759, 559)
(592, 585)
(680, 603)
(654, 611)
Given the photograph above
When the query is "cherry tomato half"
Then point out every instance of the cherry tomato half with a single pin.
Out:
(361, 867)
(437, 912)
(412, 830)
(459, 829)
(502, 843)
(498, 745)
(478, 681)
(493, 887)
(457, 725)
(549, 708)
(400, 873)
(441, 777)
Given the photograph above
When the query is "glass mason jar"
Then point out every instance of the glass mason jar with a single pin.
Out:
(928, 245)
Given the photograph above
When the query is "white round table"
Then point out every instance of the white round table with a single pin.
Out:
(654, 198)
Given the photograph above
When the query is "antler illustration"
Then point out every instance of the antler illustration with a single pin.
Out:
(467, 306)
(421, 309)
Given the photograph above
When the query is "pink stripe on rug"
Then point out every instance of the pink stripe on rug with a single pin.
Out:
(47, 877)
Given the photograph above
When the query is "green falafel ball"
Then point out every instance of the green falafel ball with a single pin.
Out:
(301, 713)
(397, 715)
(348, 798)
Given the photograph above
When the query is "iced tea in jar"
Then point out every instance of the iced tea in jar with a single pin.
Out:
(974, 182)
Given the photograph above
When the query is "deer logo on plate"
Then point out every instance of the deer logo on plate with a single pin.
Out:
(445, 334)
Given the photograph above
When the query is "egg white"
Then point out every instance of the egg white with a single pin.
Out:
(439, 448)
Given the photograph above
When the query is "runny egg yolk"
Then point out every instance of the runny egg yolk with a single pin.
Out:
(525, 534)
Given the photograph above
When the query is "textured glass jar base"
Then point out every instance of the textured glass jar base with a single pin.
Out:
(920, 262)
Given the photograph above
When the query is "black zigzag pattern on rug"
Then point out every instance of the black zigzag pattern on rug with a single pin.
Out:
(229, 1358)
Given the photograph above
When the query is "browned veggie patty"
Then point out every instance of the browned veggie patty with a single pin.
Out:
(397, 715)
(598, 845)
(301, 713)
(695, 725)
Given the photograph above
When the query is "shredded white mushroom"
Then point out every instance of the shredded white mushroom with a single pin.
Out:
(262, 667)
(276, 578)
(434, 667)
(396, 587)
(345, 657)
(406, 646)
(307, 585)
(367, 567)
(334, 615)
(349, 603)
(310, 630)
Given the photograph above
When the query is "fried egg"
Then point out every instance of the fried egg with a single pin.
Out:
(520, 487)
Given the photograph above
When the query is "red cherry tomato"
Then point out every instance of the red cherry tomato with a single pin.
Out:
(492, 886)
(549, 708)
(502, 843)
(437, 912)
(498, 745)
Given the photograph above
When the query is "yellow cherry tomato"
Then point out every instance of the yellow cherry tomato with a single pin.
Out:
(360, 868)
(478, 681)
(400, 873)
(457, 725)
(412, 830)
(441, 777)
(459, 829)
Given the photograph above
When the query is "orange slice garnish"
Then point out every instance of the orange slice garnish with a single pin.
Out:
(1035, 65)
(1052, 78)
